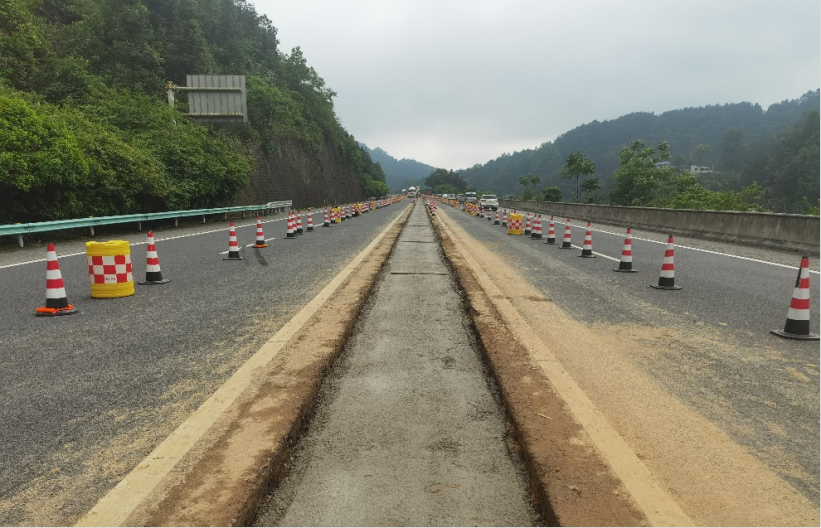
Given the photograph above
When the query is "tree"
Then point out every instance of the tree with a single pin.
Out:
(734, 150)
(638, 180)
(576, 166)
(700, 155)
(589, 187)
(526, 182)
(552, 194)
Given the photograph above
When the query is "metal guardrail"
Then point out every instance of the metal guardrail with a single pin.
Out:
(41, 227)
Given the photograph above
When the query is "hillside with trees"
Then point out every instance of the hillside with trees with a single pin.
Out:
(729, 139)
(399, 174)
(85, 128)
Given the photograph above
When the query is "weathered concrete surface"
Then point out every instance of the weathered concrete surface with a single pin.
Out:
(408, 431)
(783, 231)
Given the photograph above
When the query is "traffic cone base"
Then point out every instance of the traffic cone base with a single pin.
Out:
(796, 337)
(661, 286)
(148, 281)
(630, 270)
(587, 256)
(52, 312)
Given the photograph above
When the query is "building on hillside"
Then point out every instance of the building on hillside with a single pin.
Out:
(700, 169)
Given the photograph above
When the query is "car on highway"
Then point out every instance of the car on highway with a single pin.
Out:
(470, 197)
(489, 201)
(460, 198)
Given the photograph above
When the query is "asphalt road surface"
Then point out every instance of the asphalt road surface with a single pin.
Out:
(87, 396)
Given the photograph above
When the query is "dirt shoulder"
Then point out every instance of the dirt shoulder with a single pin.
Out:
(221, 481)
(704, 475)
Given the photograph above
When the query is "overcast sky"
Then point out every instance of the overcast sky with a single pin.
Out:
(453, 83)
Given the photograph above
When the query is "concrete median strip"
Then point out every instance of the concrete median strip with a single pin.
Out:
(659, 508)
(155, 493)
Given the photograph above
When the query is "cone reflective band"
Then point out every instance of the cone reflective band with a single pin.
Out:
(260, 241)
(626, 262)
(310, 221)
(551, 232)
(566, 243)
(587, 247)
(233, 246)
(527, 225)
(153, 275)
(326, 221)
(798, 316)
(56, 300)
(290, 234)
(667, 277)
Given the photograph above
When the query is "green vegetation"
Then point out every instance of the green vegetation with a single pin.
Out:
(85, 129)
(741, 144)
(577, 166)
(442, 181)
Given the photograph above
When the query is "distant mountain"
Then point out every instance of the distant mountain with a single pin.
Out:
(399, 174)
(683, 129)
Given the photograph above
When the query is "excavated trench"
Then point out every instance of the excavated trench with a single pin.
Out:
(408, 427)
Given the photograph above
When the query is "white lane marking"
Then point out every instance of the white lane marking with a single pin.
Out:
(795, 268)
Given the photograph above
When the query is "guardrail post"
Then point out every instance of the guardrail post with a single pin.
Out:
(20, 240)
(176, 222)
(203, 219)
(91, 228)
(139, 226)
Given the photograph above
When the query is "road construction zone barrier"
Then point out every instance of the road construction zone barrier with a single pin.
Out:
(109, 269)
(337, 215)
(56, 300)
(515, 224)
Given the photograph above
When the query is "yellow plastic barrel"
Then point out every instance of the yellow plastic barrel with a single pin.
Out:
(514, 224)
(338, 211)
(109, 269)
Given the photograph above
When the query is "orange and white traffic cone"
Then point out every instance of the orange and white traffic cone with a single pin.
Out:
(587, 247)
(342, 213)
(798, 316)
(326, 221)
(290, 234)
(496, 221)
(528, 229)
(260, 242)
(566, 243)
(626, 262)
(551, 232)
(153, 274)
(233, 245)
(536, 234)
(667, 278)
(310, 221)
(56, 300)
(299, 222)
(504, 218)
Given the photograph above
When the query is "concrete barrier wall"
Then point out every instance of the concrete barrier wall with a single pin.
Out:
(783, 231)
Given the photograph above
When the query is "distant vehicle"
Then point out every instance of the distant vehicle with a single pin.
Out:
(489, 200)
(470, 197)
(412, 192)
(460, 198)
(428, 191)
